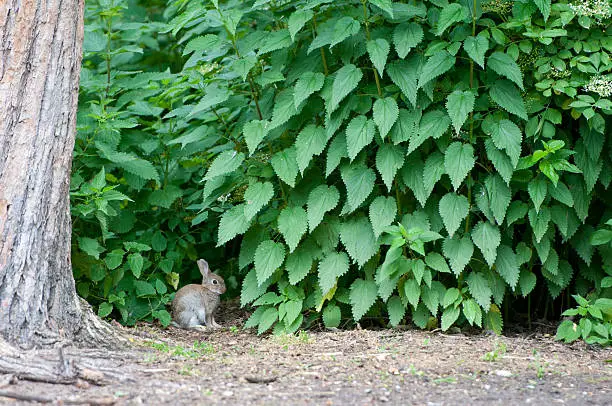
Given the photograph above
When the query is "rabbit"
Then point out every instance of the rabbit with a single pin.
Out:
(194, 305)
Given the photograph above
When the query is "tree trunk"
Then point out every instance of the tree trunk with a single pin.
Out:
(40, 57)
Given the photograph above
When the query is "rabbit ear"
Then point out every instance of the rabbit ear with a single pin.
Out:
(204, 269)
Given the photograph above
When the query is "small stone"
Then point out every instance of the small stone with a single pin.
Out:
(227, 393)
(368, 390)
(383, 399)
(504, 373)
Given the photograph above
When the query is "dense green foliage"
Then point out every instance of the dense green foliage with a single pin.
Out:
(433, 161)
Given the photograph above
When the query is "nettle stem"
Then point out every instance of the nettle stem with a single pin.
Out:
(469, 180)
(367, 30)
(314, 24)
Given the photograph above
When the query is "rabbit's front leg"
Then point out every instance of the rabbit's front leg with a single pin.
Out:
(210, 321)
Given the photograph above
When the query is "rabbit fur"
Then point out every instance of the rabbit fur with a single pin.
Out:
(195, 305)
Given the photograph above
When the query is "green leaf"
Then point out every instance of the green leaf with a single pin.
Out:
(406, 126)
(91, 247)
(296, 22)
(412, 290)
(233, 222)
(362, 296)
(268, 318)
(561, 193)
(114, 258)
(359, 240)
(269, 256)
(214, 95)
(431, 296)
(601, 237)
(298, 264)
(144, 289)
(307, 84)
(405, 37)
(458, 161)
(226, 162)
(459, 105)
(359, 181)
(389, 159)
(384, 5)
(396, 310)
(382, 213)
(449, 316)
(539, 222)
(201, 43)
(292, 223)
(104, 309)
(333, 266)
(501, 161)
(504, 65)
(274, 41)
(544, 7)
(254, 132)
(412, 175)
(385, 113)
(130, 163)
(450, 14)
(480, 289)
(336, 151)
(310, 141)
(436, 262)
(504, 93)
(527, 282)
(537, 191)
(256, 196)
(507, 265)
(433, 171)
(321, 199)
(458, 251)
(433, 124)
(285, 165)
(332, 316)
(345, 27)
(476, 47)
(250, 290)
(345, 81)
(472, 312)
(404, 74)
(499, 196)
(506, 135)
(453, 209)
(244, 65)
(436, 65)
(487, 238)
(283, 110)
(135, 261)
(378, 50)
(164, 197)
(359, 133)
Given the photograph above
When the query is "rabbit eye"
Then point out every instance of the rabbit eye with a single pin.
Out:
(215, 282)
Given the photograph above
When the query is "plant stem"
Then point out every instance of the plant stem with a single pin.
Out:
(469, 180)
(367, 29)
(314, 23)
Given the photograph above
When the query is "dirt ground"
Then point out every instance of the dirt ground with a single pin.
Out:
(357, 367)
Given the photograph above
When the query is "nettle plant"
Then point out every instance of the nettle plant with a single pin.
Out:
(423, 159)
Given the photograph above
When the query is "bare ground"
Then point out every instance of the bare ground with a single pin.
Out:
(407, 367)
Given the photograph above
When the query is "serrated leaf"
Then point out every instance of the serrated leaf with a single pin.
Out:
(254, 132)
(359, 133)
(459, 105)
(378, 50)
(359, 240)
(136, 262)
(268, 318)
(396, 310)
(384, 5)
(561, 193)
(458, 162)
(433, 171)
(336, 151)
(104, 309)
(539, 222)
(436, 262)
(226, 162)
(344, 28)
(160, 197)
(331, 316)
(506, 135)
(298, 264)
(130, 163)
(501, 161)
(274, 41)
(244, 65)
(544, 7)
(389, 159)
(436, 65)
(269, 256)
(430, 297)
(458, 251)
(250, 289)
(406, 126)
(412, 175)
(504, 65)
(321, 199)
(201, 43)
(297, 20)
(347, 78)
(450, 14)
(385, 113)
(232, 223)
(307, 84)
(293, 224)
(285, 165)
(283, 109)
(405, 74)
(412, 291)
(214, 95)
(433, 124)
(310, 141)
(449, 316)
(359, 181)
(453, 209)
(476, 47)
(507, 265)
(333, 266)
(537, 189)
(487, 238)
(362, 296)
(499, 196)
(405, 37)
(504, 93)
(480, 289)
(382, 213)
(256, 196)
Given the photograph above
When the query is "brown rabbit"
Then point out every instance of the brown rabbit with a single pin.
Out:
(194, 305)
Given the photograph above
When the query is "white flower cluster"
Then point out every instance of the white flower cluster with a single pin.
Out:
(599, 10)
(600, 85)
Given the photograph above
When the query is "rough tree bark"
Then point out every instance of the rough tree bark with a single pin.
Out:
(40, 57)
